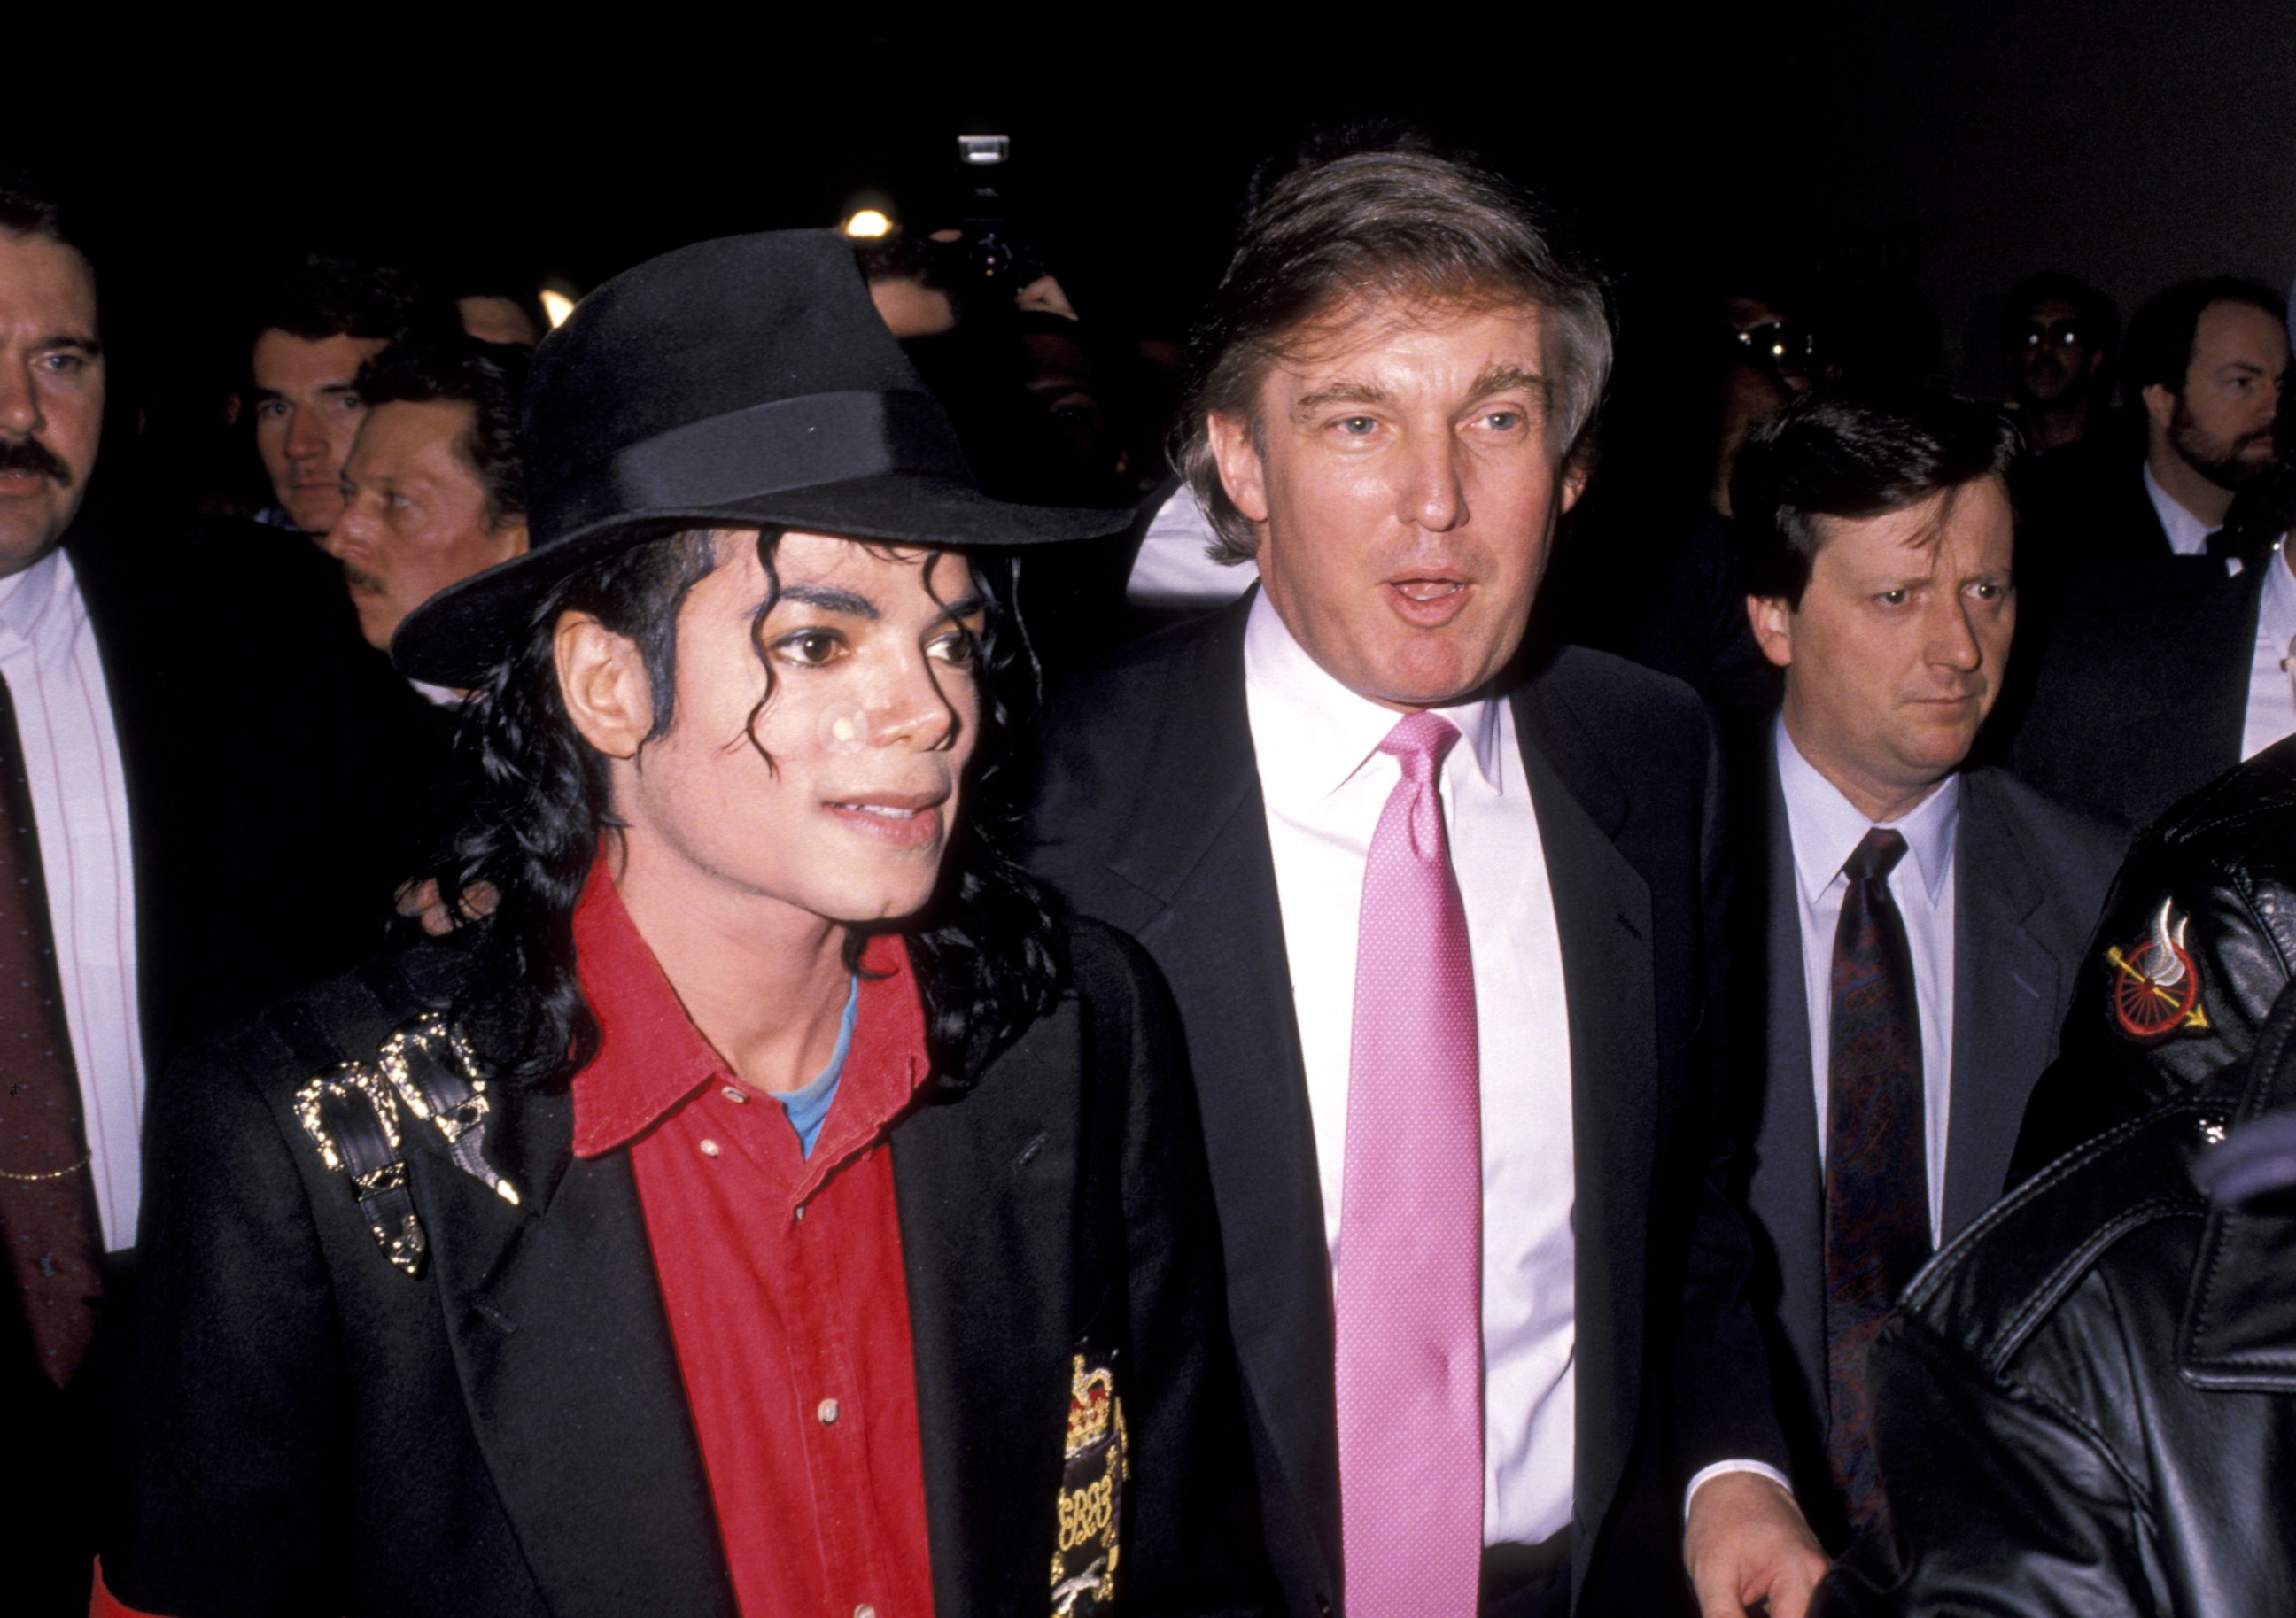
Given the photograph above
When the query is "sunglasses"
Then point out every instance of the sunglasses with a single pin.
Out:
(2052, 334)
(1781, 345)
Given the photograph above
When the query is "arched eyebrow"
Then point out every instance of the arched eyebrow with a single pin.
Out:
(851, 604)
(1508, 379)
(1345, 391)
(829, 598)
(1494, 379)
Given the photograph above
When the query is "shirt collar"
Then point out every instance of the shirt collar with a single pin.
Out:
(2188, 535)
(2276, 606)
(1826, 827)
(652, 1059)
(1311, 734)
(25, 596)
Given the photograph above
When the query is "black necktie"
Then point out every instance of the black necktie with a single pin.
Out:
(47, 1195)
(1877, 1221)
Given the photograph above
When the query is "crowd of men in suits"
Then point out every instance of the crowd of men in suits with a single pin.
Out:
(1562, 1299)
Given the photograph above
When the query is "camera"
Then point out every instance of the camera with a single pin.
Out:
(990, 254)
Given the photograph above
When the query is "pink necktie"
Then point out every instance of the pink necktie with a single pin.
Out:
(1409, 1287)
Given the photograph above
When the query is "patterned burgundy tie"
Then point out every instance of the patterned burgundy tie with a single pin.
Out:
(1408, 1286)
(1877, 1199)
(47, 1198)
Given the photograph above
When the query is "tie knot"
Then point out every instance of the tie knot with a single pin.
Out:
(1875, 856)
(1419, 742)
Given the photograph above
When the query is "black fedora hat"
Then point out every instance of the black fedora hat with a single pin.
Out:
(746, 382)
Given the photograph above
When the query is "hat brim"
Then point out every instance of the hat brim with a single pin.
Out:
(458, 636)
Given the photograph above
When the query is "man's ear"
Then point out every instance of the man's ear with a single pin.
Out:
(1242, 474)
(603, 679)
(1773, 622)
(2160, 407)
(1574, 483)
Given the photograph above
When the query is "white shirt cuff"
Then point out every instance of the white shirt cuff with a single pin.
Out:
(1721, 1467)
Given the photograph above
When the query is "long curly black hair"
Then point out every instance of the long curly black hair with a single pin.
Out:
(987, 950)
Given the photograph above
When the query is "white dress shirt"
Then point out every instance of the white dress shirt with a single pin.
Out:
(1326, 782)
(1175, 566)
(2188, 535)
(2271, 686)
(1825, 829)
(79, 804)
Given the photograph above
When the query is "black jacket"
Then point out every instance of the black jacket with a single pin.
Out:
(269, 775)
(2141, 697)
(2089, 1405)
(2224, 861)
(279, 776)
(315, 1431)
(1149, 816)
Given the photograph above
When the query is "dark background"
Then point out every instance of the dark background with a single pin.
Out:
(1932, 152)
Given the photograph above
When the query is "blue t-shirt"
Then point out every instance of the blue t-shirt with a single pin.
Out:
(806, 1107)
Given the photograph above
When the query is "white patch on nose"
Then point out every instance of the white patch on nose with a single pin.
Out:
(843, 728)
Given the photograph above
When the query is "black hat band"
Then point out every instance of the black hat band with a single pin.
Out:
(766, 449)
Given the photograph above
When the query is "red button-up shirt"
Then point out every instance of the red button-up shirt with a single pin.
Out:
(781, 1274)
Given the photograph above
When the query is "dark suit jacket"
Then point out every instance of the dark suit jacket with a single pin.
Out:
(2084, 508)
(272, 781)
(1150, 817)
(2138, 702)
(316, 1432)
(1694, 627)
(2030, 875)
(277, 772)
(2089, 542)
(1073, 600)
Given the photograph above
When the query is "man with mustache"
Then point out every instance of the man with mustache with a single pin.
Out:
(172, 718)
(2204, 363)
(1910, 928)
(2175, 666)
(73, 1076)
(2056, 339)
(433, 490)
(2206, 360)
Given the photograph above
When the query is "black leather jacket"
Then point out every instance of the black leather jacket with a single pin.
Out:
(2087, 1404)
(2223, 863)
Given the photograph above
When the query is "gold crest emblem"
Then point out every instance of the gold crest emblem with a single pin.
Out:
(1095, 1460)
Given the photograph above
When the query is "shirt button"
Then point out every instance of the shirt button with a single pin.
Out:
(800, 1212)
(827, 1410)
(735, 1092)
(709, 1148)
(864, 1611)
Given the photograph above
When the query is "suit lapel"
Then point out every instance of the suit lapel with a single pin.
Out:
(1787, 1191)
(569, 1375)
(1209, 913)
(2005, 986)
(1602, 910)
(988, 1250)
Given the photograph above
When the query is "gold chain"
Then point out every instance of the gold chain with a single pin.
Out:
(51, 1173)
